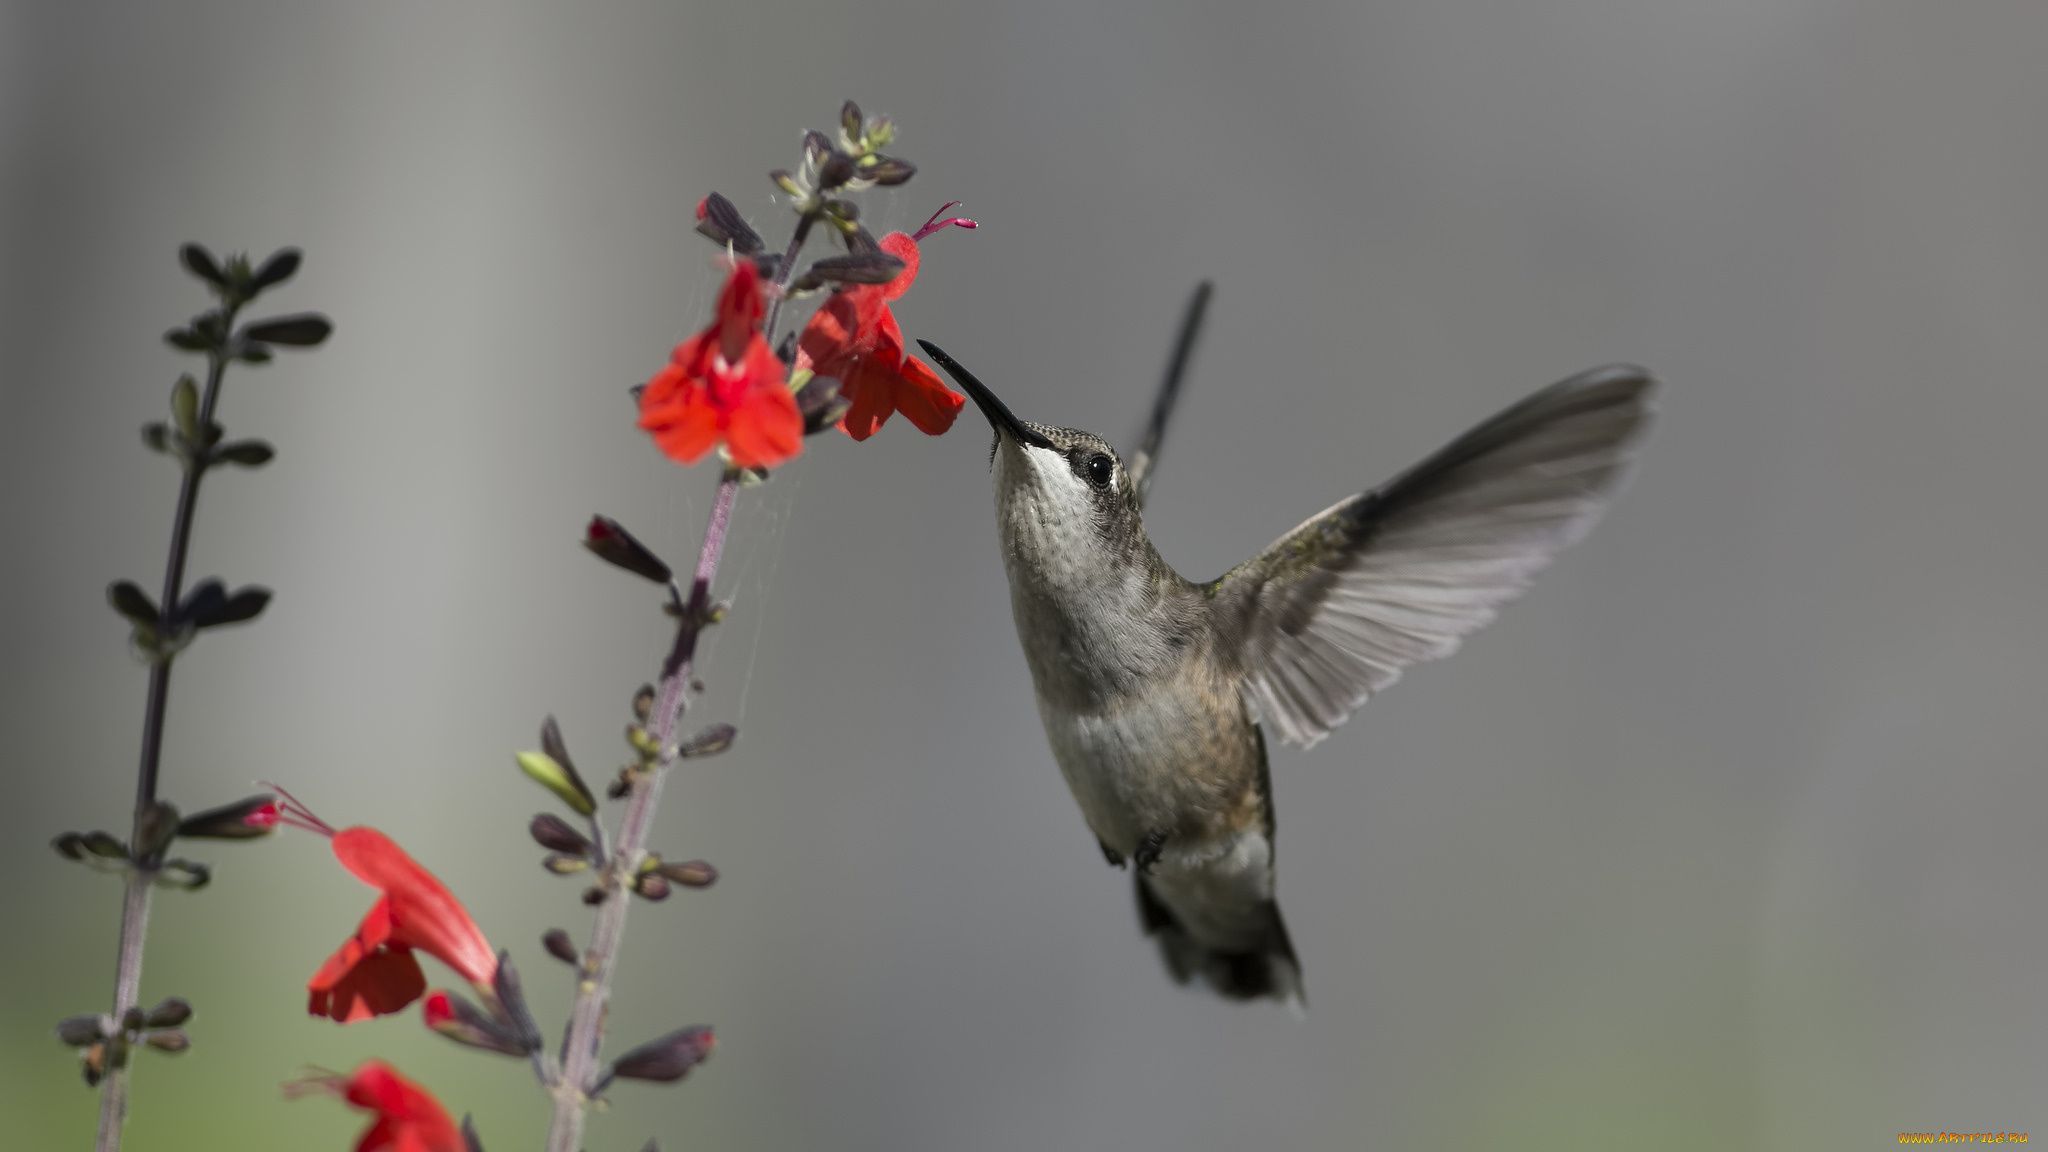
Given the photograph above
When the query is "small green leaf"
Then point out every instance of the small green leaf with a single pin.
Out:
(277, 269)
(158, 437)
(252, 353)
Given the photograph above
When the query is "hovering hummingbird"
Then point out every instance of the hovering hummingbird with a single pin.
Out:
(1156, 691)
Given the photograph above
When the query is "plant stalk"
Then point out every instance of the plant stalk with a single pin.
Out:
(135, 906)
(593, 993)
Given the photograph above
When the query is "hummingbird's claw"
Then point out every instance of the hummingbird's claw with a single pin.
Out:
(1149, 849)
(1115, 858)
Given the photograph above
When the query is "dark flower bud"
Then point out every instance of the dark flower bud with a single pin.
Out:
(803, 285)
(643, 702)
(470, 1140)
(783, 180)
(242, 820)
(835, 171)
(718, 219)
(768, 264)
(276, 270)
(888, 171)
(842, 212)
(668, 1059)
(169, 1040)
(188, 339)
(299, 330)
(247, 453)
(821, 404)
(131, 1020)
(170, 1013)
(614, 545)
(209, 605)
(466, 1024)
(512, 999)
(651, 886)
(850, 120)
(622, 787)
(817, 146)
(154, 830)
(132, 602)
(593, 896)
(199, 262)
(859, 268)
(559, 946)
(653, 1145)
(554, 833)
(709, 742)
(564, 865)
(78, 1031)
(186, 874)
(690, 873)
(94, 1064)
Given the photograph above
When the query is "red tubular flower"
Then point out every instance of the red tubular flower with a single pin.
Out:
(725, 383)
(853, 336)
(374, 973)
(409, 1119)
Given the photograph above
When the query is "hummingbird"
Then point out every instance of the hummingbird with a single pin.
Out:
(1156, 691)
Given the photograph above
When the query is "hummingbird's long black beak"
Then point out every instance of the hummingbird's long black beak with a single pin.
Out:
(999, 415)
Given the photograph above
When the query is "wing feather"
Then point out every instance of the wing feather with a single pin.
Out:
(1333, 611)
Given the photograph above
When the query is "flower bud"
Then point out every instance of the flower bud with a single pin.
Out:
(170, 1013)
(709, 742)
(668, 1059)
(835, 171)
(551, 831)
(562, 865)
(718, 219)
(550, 774)
(889, 171)
(691, 873)
(466, 1024)
(79, 1031)
(651, 887)
(859, 268)
(816, 146)
(169, 1040)
(559, 946)
(643, 703)
(821, 404)
(512, 998)
(614, 545)
(786, 182)
(470, 1140)
(187, 874)
(850, 121)
(242, 820)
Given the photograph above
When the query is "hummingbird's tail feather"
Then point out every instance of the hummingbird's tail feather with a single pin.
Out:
(1264, 968)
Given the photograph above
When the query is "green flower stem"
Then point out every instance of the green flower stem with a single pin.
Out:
(579, 1075)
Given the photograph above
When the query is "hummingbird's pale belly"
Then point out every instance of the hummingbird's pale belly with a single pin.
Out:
(1188, 766)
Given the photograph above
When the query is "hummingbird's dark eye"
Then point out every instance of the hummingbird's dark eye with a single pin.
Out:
(1100, 469)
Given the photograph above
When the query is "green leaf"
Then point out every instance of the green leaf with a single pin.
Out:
(301, 330)
(277, 269)
(200, 263)
(158, 437)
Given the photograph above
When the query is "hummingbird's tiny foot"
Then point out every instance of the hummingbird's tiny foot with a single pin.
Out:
(1115, 858)
(1149, 849)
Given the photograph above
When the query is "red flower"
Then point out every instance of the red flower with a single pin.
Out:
(725, 383)
(853, 336)
(374, 973)
(409, 1119)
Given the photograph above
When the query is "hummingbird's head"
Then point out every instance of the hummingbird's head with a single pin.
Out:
(1065, 504)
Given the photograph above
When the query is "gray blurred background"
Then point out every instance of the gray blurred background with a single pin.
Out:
(1729, 835)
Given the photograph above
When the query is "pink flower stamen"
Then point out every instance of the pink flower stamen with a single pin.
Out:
(934, 224)
(293, 814)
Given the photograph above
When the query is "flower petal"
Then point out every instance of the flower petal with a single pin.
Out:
(905, 249)
(365, 979)
(685, 430)
(925, 400)
(766, 429)
(422, 912)
(873, 390)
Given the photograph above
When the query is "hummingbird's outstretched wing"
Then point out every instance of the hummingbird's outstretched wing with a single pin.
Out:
(1334, 610)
